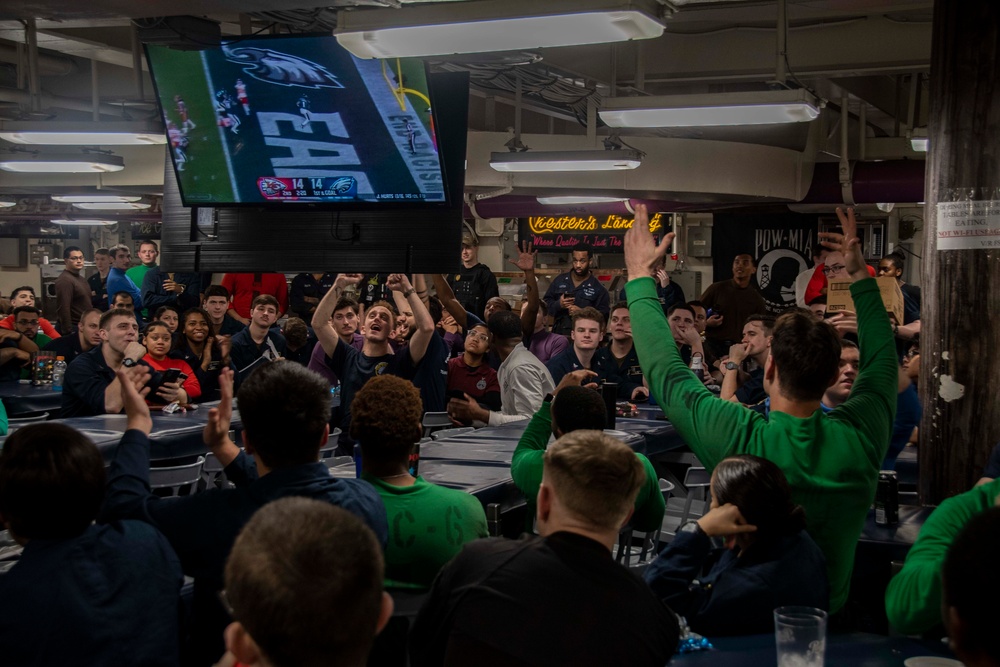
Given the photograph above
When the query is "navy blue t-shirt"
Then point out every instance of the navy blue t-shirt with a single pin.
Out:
(752, 391)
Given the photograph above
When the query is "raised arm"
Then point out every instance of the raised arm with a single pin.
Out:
(321, 325)
(526, 262)
(447, 296)
(423, 325)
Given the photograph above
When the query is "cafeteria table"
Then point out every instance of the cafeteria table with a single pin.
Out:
(857, 649)
(21, 399)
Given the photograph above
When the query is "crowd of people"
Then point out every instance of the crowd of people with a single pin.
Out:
(793, 415)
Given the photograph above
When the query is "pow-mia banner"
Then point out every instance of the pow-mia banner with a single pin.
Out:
(781, 246)
(603, 233)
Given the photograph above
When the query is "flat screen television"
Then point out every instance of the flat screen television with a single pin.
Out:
(298, 120)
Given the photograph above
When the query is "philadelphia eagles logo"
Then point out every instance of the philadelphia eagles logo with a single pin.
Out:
(281, 68)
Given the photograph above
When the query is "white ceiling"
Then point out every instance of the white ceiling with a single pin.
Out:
(876, 52)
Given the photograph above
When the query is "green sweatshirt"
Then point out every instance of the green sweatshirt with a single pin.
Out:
(913, 599)
(526, 469)
(831, 460)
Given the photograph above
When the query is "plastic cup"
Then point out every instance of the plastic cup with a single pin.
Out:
(800, 636)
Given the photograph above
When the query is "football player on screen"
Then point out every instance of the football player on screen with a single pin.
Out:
(241, 96)
(303, 106)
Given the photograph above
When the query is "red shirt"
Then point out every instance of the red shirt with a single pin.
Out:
(818, 282)
(245, 287)
(476, 381)
(43, 324)
(190, 386)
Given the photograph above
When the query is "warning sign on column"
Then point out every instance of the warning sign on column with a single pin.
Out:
(968, 225)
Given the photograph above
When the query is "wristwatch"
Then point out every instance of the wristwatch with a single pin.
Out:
(731, 365)
(128, 363)
(407, 293)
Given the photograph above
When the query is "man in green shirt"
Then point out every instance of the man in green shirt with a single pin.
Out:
(913, 598)
(428, 524)
(572, 408)
(831, 460)
(148, 252)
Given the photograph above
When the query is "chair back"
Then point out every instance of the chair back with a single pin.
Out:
(434, 421)
(27, 418)
(177, 480)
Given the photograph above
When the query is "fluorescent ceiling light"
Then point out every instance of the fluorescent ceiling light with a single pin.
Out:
(438, 29)
(600, 160)
(7, 202)
(755, 108)
(918, 139)
(111, 206)
(93, 199)
(56, 133)
(83, 222)
(72, 163)
(578, 199)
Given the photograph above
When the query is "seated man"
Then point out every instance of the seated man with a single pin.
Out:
(559, 599)
(15, 354)
(681, 320)
(586, 335)
(913, 598)
(25, 296)
(748, 388)
(284, 409)
(85, 338)
(524, 380)
(90, 386)
(82, 593)
(304, 581)
(574, 408)
(345, 324)
(835, 485)
(26, 321)
(543, 343)
(971, 583)
(258, 343)
(618, 360)
(469, 374)
(299, 341)
(430, 523)
(216, 304)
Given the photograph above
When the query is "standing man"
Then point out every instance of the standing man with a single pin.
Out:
(619, 361)
(90, 386)
(475, 284)
(588, 330)
(99, 281)
(245, 287)
(892, 265)
(575, 289)
(257, 344)
(166, 288)
(835, 485)
(732, 301)
(148, 252)
(72, 290)
(307, 290)
(756, 345)
(85, 338)
(118, 280)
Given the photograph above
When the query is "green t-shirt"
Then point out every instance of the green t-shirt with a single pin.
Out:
(428, 524)
(913, 599)
(137, 273)
(831, 460)
(528, 462)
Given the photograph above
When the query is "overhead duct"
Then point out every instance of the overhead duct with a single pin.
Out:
(47, 65)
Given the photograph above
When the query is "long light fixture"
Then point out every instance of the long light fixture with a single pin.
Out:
(83, 222)
(598, 160)
(82, 133)
(93, 199)
(578, 199)
(918, 139)
(714, 109)
(7, 202)
(494, 25)
(111, 206)
(67, 163)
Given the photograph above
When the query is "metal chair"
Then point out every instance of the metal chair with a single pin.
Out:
(213, 475)
(451, 432)
(648, 543)
(27, 418)
(335, 461)
(693, 505)
(329, 451)
(177, 480)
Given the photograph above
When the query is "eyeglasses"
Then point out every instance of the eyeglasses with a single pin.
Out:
(75, 258)
(836, 268)
(478, 336)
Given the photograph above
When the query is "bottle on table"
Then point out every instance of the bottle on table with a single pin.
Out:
(697, 366)
(58, 372)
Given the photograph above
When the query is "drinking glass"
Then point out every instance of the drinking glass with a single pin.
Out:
(800, 636)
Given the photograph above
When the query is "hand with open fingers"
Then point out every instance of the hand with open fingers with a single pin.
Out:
(714, 321)
(662, 277)
(134, 390)
(844, 321)
(525, 258)
(848, 244)
(642, 254)
(466, 410)
(216, 432)
(574, 379)
(725, 520)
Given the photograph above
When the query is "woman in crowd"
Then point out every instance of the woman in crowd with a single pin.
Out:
(169, 316)
(203, 351)
(767, 559)
(158, 341)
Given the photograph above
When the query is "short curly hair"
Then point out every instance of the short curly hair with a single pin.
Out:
(386, 418)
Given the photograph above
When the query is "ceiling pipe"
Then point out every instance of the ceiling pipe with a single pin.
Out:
(47, 65)
(34, 84)
(55, 101)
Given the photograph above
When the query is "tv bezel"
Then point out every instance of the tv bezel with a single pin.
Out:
(366, 205)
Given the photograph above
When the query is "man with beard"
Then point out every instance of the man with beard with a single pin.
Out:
(576, 289)
(732, 301)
